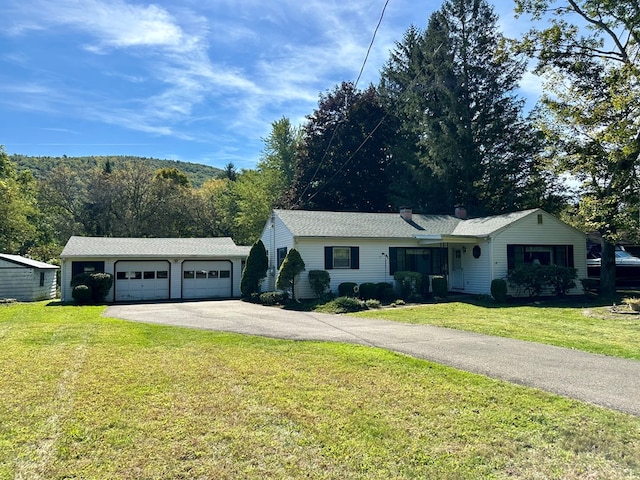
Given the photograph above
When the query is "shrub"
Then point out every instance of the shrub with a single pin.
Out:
(528, 278)
(385, 291)
(347, 289)
(254, 270)
(439, 286)
(499, 290)
(273, 298)
(82, 294)
(368, 291)
(319, 280)
(410, 283)
(291, 267)
(533, 278)
(98, 282)
(372, 303)
(561, 279)
(348, 304)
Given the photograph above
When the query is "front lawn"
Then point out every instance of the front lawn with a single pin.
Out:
(589, 328)
(85, 396)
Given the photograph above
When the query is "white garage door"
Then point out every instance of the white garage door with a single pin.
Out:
(206, 279)
(142, 280)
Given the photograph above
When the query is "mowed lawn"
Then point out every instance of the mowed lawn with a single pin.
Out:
(589, 328)
(82, 396)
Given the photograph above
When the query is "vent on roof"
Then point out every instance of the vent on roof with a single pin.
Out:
(406, 213)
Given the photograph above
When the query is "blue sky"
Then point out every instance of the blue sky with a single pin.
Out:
(194, 80)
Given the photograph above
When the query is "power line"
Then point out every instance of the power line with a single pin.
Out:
(326, 152)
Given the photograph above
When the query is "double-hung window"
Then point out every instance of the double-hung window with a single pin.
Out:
(341, 258)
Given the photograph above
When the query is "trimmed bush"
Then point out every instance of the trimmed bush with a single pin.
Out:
(348, 304)
(98, 282)
(347, 289)
(319, 280)
(561, 279)
(372, 303)
(254, 270)
(82, 294)
(532, 279)
(368, 291)
(439, 286)
(385, 292)
(499, 290)
(291, 267)
(410, 283)
(273, 298)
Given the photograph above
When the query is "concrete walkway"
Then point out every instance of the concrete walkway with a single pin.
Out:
(606, 381)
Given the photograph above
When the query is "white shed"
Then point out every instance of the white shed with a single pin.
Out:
(25, 279)
(147, 269)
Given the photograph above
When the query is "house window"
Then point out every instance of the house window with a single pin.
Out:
(561, 255)
(86, 267)
(341, 257)
(281, 253)
(428, 261)
(42, 279)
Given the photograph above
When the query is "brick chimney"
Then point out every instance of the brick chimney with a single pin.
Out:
(461, 212)
(406, 213)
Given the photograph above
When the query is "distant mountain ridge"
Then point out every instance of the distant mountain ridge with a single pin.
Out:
(41, 166)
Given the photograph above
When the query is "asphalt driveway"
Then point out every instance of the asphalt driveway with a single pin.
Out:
(606, 381)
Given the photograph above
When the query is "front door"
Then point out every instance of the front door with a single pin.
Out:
(457, 272)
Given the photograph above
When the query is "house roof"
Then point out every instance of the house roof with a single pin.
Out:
(152, 247)
(305, 223)
(26, 262)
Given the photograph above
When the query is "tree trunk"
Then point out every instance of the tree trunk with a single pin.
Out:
(608, 269)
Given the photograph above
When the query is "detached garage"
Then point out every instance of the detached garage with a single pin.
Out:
(147, 269)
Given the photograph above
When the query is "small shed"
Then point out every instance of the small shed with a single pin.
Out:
(25, 279)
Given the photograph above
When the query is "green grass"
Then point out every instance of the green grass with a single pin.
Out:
(88, 397)
(589, 328)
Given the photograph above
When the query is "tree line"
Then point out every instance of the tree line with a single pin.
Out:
(443, 126)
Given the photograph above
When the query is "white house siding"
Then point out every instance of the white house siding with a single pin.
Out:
(275, 235)
(527, 231)
(374, 266)
(476, 271)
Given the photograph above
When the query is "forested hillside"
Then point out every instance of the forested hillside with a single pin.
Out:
(40, 167)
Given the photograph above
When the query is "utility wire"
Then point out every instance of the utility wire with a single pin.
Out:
(326, 152)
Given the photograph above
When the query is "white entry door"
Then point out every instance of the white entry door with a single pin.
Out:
(457, 272)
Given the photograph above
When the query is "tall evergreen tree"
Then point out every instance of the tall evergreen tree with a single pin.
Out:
(463, 132)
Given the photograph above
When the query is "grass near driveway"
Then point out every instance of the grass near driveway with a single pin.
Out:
(585, 327)
(84, 396)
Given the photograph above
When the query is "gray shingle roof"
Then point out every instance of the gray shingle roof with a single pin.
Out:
(27, 262)
(152, 247)
(305, 223)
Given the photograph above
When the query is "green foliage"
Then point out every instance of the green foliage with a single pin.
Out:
(255, 269)
(385, 291)
(368, 291)
(82, 294)
(499, 290)
(561, 279)
(347, 305)
(319, 280)
(532, 279)
(410, 283)
(348, 289)
(273, 298)
(291, 267)
(439, 286)
(372, 303)
(99, 284)
(590, 285)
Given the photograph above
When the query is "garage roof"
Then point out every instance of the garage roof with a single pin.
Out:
(153, 247)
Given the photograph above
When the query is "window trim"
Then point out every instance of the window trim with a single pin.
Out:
(554, 249)
(354, 258)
